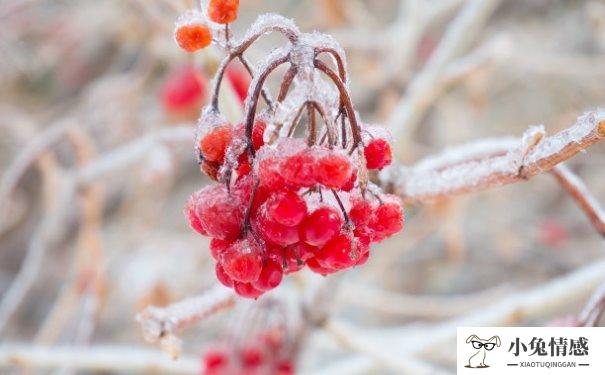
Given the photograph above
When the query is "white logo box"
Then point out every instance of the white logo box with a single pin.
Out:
(540, 350)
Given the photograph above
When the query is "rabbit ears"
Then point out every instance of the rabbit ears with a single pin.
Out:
(495, 339)
(471, 338)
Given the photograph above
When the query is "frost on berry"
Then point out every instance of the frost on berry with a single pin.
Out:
(293, 188)
(223, 11)
(191, 31)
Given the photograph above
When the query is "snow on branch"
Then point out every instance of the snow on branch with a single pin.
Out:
(483, 165)
(162, 323)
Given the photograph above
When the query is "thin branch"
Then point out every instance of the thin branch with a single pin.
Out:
(594, 309)
(578, 191)
(499, 167)
(162, 324)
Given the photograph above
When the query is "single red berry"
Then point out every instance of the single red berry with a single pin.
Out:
(214, 143)
(220, 214)
(378, 153)
(222, 276)
(251, 357)
(215, 359)
(270, 277)
(361, 211)
(337, 254)
(192, 33)
(240, 80)
(192, 217)
(333, 170)
(242, 261)
(290, 260)
(387, 219)
(320, 226)
(349, 185)
(302, 251)
(300, 169)
(218, 246)
(275, 232)
(286, 208)
(223, 11)
(314, 266)
(183, 90)
(246, 290)
(243, 189)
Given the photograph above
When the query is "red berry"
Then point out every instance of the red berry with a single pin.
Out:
(378, 153)
(361, 211)
(269, 174)
(240, 80)
(291, 262)
(210, 169)
(336, 254)
(258, 134)
(222, 276)
(183, 90)
(192, 33)
(243, 189)
(319, 227)
(286, 208)
(223, 11)
(275, 232)
(333, 170)
(349, 185)
(214, 143)
(220, 214)
(192, 217)
(215, 359)
(218, 246)
(246, 290)
(387, 220)
(302, 251)
(314, 266)
(242, 261)
(251, 357)
(299, 169)
(270, 277)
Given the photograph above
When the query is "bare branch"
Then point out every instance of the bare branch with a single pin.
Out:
(490, 165)
(578, 191)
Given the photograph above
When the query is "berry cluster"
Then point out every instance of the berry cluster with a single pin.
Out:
(266, 353)
(283, 202)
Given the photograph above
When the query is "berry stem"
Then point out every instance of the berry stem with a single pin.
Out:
(312, 125)
(246, 224)
(342, 207)
(345, 99)
(286, 83)
(339, 61)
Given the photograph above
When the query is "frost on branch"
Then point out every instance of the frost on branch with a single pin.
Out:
(493, 163)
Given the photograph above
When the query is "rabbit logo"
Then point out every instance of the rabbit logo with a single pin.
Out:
(481, 347)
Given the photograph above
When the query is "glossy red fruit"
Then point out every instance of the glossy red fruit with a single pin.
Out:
(192, 217)
(246, 290)
(300, 169)
(222, 276)
(214, 143)
(378, 154)
(302, 251)
(286, 208)
(240, 80)
(314, 266)
(220, 214)
(387, 219)
(270, 277)
(361, 211)
(218, 246)
(269, 174)
(215, 359)
(192, 35)
(183, 90)
(334, 170)
(275, 232)
(223, 11)
(320, 226)
(242, 261)
(337, 254)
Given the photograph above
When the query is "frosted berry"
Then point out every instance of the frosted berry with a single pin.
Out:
(299, 169)
(218, 246)
(320, 226)
(286, 208)
(361, 211)
(387, 220)
(314, 266)
(192, 217)
(192, 34)
(270, 175)
(333, 170)
(275, 232)
(378, 154)
(219, 213)
(246, 290)
(337, 253)
(210, 169)
(222, 276)
(223, 11)
(214, 143)
(270, 276)
(242, 261)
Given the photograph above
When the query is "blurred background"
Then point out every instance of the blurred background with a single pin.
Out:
(97, 113)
